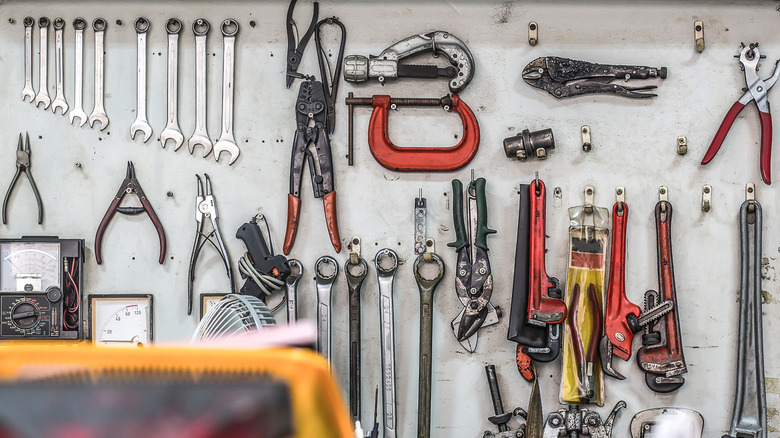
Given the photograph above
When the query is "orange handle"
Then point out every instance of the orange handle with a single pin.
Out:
(329, 202)
(293, 213)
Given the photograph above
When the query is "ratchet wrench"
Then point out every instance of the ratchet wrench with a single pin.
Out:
(325, 282)
(78, 82)
(200, 136)
(386, 275)
(28, 91)
(356, 270)
(43, 68)
(172, 130)
(59, 98)
(291, 283)
(226, 141)
(99, 112)
(141, 124)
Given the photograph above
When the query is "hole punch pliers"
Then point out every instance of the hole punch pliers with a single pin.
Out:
(130, 185)
(207, 207)
(23, 166)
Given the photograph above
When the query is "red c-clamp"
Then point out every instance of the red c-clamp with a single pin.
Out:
(417, 159)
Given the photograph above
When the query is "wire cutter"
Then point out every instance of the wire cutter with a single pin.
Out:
(586, 360)
(311, 141)
(474, 280)
(130, 185)
(295, 48)
(206, 206)
(757, 89)
(23, 165)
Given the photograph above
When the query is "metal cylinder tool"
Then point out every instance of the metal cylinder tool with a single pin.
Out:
(386, 275)
(325, 282)
(529, 144)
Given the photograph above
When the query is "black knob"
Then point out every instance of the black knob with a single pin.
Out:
(53, 294)
(25, 315)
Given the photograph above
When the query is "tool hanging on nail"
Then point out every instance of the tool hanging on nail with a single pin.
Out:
(264, 271)
(564, 77)
(28, 90)
(98, 111)
(227, 141)
(668, 421)
(77, 111)
(661, 355)
(43, 69)
(355, 269)
(416, 159)
(296, 47)
(572, 421)
(206, 207)
(130, 186)
(501, 419)
(473, 278)
(388, 64)
(325, 279)
(385, 272)
(59, 68)
(330, 79)
(200, 136)
(172, 131)
(141, 124)
(756, 91)
(23, 165)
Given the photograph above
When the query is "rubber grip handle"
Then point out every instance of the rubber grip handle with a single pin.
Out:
(329, 203)
(293, 213)
(157, 226)
(457, 216)
(766, 147)
(102, 230)
(482, 228)
(723, 130)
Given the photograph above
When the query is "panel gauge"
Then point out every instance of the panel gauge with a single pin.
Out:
(29, 266)
(121, 320)
(209, 300)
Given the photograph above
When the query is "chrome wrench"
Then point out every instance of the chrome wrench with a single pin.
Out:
(43, 68)
(200, 28)
(291, 283)
(356, 270)
(427, 286)
(78, 111)
(386, 275)
(226, 141)
(99, 112)
(28, 91)
(325, 282)
(172, 130)
(141, 123)
(59, 98)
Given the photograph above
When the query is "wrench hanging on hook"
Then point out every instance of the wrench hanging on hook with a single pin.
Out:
(226, 141)
(141, 123)
(200, 136)
(78, 81)
(325, 282)
(386, 276)
(99, 112)
(172, 131)
(356, 270)
(28, 91)
(43, 68)
(59, 98)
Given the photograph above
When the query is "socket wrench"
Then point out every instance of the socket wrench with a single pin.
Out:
(200, 136)
(172, 130)
(78, 86)
(99, 111)
(226, 141)
(43, 65)
(28, 91)
(386, 275)
(141, 123)
(59, 98)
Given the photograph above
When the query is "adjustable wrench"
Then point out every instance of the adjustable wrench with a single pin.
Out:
(386, 275)
(28, 91)
(59, 98)
(200, 136)
(141, 124)
(99, 112)
(325, 282)
(291, 283)
(78, 111)
(356, 270)
(172, 130)
(226, 141)
(43, 68)
(426, 286)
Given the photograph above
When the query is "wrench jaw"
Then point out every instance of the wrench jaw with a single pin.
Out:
(42, 98)
(141, 126)
(28, 92)
(202, 140)
(59, 103)
(172, 134)
(226, 146)
(100, 117)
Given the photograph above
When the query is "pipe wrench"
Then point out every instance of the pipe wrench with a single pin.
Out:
(325, 279)
(355, 270)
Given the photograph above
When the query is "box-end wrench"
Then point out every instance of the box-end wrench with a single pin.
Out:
(325, 279)
(200, 28)
(226, 141)
(59, 98)
(427, 286)
(291, 283)
(356, 270)
(28, 91)
(172, 130)
(78, 82)
(43, 65)
(386, 262)
(141, 123)
(99, 111)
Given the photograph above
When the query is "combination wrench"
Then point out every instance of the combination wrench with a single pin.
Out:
(141, 123)
(291, 283)
(427, 286)
(172, 130)
(59, 98)
(355, 270)
(43, 65)
(28, 91)
(325, 282)
(99, 111)
(200, 136)
(386, 275)
(78, 82)
(226, 141)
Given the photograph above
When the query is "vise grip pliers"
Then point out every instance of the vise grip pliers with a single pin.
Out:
(23, 166)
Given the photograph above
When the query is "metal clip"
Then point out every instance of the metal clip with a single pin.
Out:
(533, 33)
(682, 145)
(589, 195)
(354, 250)
(430, 248)
(585, 131)
(620, 198)
(698, 34)
(420, 213)
(663, 195)
(706, 197)
(750, 195)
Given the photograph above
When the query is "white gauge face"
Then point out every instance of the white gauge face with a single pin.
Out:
(29, 266)
(122, 321)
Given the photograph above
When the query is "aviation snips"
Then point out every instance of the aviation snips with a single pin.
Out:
(474, 280)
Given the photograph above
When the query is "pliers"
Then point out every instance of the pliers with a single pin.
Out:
(295, 48)
(474, 280)
(23, 165)
(586, 360)
(311, 141)
(206, 206)
(130, 185)
(757, 89)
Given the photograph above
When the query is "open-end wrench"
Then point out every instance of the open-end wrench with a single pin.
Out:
(291, 283)
(141, 123)
(386, 263)
(200, 136)
(28, 91)
(59, 98)
(426, 286)
(43, 65)
(99, 111)
(172, 130)
(356, 270)
(226, 141)
(325, 280)
(78, 82)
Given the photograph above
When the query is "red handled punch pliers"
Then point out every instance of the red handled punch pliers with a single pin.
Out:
(757, 89)
(130, 185)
